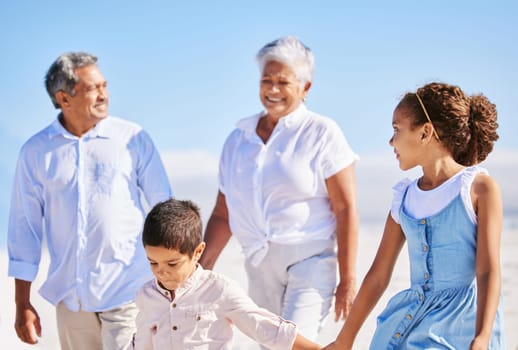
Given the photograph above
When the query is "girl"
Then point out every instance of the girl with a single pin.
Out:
(451, 219)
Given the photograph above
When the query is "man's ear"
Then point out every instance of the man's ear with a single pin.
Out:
(62, 98)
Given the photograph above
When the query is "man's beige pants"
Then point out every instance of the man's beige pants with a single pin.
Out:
(107, 330)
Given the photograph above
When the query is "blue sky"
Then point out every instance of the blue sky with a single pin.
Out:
(186, 70)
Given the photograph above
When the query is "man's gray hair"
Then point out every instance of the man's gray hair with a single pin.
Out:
(61, 75)
(292, 52)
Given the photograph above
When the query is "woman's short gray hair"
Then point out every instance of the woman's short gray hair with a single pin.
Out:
(292, 52)
(61, 75)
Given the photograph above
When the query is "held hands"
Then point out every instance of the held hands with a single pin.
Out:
(335, 346)
(27, 323)
(344, 297)
(330, 346)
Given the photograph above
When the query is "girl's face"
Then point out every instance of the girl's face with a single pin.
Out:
(407, 140)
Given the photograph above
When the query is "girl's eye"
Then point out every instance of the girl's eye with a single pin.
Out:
(153, 263)
(172, 264)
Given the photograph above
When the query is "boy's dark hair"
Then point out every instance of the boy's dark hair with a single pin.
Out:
(174, 224)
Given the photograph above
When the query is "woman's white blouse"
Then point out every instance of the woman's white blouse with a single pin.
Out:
(277, 191)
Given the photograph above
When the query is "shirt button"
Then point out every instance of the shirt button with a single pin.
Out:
(198, 318)
(426, 275)
(397, 335)
(423, 222)
(408, 317)
(425, 248)
(175, 328)
(173, 305)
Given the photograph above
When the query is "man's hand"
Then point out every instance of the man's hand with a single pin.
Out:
(27, 323)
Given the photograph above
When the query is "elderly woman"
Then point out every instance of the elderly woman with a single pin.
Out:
(287, 193)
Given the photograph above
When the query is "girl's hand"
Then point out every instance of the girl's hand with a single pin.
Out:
(479, 344)
(330, 346)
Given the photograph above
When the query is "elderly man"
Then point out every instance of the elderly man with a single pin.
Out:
(83, 183)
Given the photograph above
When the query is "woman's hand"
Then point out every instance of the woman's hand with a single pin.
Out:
(344, 297)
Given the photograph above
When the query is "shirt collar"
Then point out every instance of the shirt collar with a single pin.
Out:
(191, 281)
(295, 117)
(99, 130)
(249, 124)
(162, 290)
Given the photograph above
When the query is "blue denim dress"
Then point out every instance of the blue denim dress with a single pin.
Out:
(438, 311)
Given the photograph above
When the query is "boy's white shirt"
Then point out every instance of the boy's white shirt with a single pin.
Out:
(202, 314)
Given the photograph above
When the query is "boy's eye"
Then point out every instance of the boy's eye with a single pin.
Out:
(153, 263)
(172, 264)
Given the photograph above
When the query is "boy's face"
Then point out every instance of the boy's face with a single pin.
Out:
(170, 267)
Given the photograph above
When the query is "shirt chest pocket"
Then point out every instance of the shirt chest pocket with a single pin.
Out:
(194, 321)
(244, 169)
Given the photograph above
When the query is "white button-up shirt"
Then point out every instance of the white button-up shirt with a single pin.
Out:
(84, 194)
(202, 314)
(277, 191)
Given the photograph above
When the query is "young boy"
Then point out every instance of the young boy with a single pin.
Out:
(187, 307)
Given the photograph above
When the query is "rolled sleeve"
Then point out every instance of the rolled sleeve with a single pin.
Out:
(258, 323)
(22, 270)
(285, 336)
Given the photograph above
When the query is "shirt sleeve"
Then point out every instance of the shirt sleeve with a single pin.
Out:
(468, 176)
(397, 198)
(151, 174)
(25, 228)
(336, 152)
(224, 160)
(257, 323)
